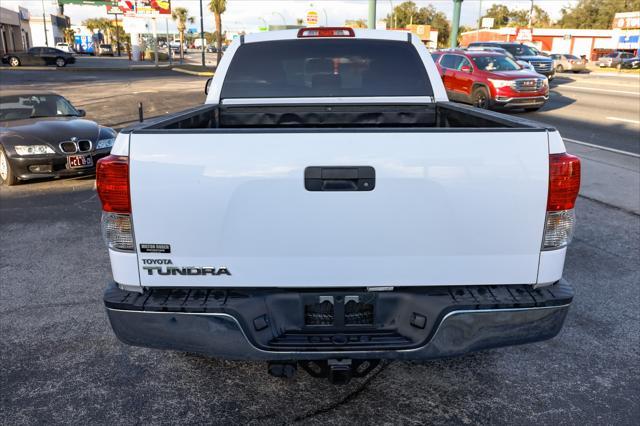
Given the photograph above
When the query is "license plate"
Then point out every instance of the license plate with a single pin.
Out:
(79, 161)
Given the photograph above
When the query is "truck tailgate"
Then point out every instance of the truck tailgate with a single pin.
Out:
(448, 208)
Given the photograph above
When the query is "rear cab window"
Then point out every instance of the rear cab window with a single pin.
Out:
(326, 68)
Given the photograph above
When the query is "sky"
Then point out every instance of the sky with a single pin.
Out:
(250, 14)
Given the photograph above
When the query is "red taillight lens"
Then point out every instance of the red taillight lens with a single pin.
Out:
(564, 181)
(112, 182)
(326, 32)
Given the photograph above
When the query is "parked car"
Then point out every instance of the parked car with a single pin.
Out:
(502, 51)
(347, 212)
(630, 63)
(613, 59)
(105, 50)
(175, 47)
(39, 56)
(541, 63)
(211, 48)
(489, 80)
(43, 135)
(566, 62)
(65, 47)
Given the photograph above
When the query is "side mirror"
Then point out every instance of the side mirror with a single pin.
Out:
(82, 113)
(465, 68)
(207, 85)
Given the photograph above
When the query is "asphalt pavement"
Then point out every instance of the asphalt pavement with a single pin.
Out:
(61, 362)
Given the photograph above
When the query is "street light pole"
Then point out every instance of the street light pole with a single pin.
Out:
(531, 15)
(117, 35)
(284, 21)
(372, 15)
(44, 22)
(455, 24)
(202, 33)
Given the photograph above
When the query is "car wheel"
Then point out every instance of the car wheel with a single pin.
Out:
(559, 68)
(7, 178)
(480, 98)
(60, 62)
(14, 62)
(533, 109)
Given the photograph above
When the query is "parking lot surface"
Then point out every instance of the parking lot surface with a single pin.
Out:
(61, 362)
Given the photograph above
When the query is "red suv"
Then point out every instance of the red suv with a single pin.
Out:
(488, 79)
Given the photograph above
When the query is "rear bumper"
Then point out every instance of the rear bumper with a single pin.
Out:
(413, 324)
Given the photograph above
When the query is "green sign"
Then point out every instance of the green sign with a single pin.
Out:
(90, 2)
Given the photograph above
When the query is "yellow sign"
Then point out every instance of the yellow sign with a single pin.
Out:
(422, 31)
(312, 18)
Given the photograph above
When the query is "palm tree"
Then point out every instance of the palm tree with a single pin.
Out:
(218, 7)
(181, 16)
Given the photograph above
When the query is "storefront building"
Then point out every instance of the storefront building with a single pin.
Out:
(15, 32)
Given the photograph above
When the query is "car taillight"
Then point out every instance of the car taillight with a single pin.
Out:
(564, 185)
(112, 183)
(326, 32)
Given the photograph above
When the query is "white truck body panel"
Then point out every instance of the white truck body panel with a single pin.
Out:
(447, 209)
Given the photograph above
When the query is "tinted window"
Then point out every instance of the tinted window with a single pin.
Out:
(326, 67)
(495, 63)
(30, 106)
(35, 50)
(451, 61)
(520, 50)
(571, 56)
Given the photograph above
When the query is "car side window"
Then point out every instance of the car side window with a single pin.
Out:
(464, 62)
(451, 61)
(35, 51)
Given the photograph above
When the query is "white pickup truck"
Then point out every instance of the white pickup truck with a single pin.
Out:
(328, 207)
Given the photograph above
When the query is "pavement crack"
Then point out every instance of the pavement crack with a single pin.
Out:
(604, 203)
(348, 397)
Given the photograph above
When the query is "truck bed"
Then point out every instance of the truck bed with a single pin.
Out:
(438, 116)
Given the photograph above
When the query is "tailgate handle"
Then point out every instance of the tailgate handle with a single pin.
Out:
(341, 178)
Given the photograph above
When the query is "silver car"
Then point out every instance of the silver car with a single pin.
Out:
(613, 59)
(565, 62)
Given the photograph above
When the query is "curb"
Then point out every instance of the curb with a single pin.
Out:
(198, 73)
(84, 69)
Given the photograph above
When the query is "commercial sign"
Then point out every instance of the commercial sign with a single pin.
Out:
(153, 7)
(422, 31)
(312, 18)
(487, 22)
(90, 2)
(626, 20)
(115, 10)
(524, 34)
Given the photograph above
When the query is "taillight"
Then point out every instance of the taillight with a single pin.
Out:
(564, 185)
(564, 181)
(112, 183)
(326, 32)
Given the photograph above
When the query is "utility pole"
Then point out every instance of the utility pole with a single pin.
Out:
(44, 22)
(479, 21)
(455, 24)
(202, 33)
(371, 23)
(117, 35)
(531, 15)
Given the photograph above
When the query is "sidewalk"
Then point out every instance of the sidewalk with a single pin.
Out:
(609, 177)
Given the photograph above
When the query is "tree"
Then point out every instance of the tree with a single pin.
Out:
(356, 23)
(595, 13)
(181, 16)
(500, 14)
(218, 7)
(407, 13)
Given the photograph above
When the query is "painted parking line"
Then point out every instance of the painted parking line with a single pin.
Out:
(604, 148)
(595, 89)
(624, 120)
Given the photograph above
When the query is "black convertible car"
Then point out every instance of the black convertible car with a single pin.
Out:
(39, 56)
(43, 135)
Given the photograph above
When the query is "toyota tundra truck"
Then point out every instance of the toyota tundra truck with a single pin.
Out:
(328, 208)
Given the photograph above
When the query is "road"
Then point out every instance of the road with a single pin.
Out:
(595, 109)
(62, 364)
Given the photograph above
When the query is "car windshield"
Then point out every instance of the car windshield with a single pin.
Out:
(20, 107)
(495, 63)
(521, 50)
(611, 55)
(326, 67)
(571, 56)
